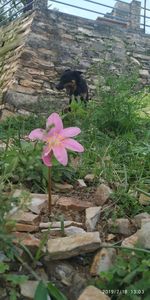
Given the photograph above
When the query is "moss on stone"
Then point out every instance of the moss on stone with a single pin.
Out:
(10, 46)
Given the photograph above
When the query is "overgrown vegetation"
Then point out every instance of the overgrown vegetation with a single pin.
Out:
(116, 136)
(129, 278)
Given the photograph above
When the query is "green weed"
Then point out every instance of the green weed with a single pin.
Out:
(128, 278)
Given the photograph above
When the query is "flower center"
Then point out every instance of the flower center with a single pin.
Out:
(54, 140)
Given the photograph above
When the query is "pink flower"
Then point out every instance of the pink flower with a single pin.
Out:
(57, 140)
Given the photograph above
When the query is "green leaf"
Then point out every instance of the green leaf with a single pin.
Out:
(16, 279)
(13, 294)
(130, 276)
(39, 252)
(55, 293)
(3, 267)
(41, 292)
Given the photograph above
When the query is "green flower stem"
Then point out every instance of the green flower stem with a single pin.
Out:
(127, 248)
(27, 267)
(49, 191)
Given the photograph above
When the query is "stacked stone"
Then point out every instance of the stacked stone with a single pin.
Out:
(38, 47)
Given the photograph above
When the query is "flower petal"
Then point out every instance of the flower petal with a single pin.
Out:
(61, 154)
(47, 160)
(37, 134)
(70, 132)
(46, 150)
(54, 119)
(71, 144)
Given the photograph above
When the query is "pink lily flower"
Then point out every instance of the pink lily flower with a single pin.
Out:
(57, 140)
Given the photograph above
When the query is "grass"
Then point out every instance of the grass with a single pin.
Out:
(115, 131)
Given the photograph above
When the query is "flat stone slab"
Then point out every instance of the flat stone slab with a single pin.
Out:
(92, 217)
(73, 230)
(63, 187)
(39, 203)
(103, 261)
(130, 241)
(26, 227)
(25, 217)
(92, 293)
(121, 225)
(58, 224)
(74, 245)
(27, 240)
(73, 203)
(28, 288)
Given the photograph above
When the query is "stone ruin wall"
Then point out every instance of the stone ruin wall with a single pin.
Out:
(35, 49)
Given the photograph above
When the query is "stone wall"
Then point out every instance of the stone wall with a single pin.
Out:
(36, 48)
(128, 13)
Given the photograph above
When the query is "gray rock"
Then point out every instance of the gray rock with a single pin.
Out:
(144, 73)
(130, 241)
(89, 178)
(92, 217)
(144, 236)
(73, 230)
(144, 199)
(38, 203)
(63, 187)
(103, 261)
(81, 183)
(92, 293)
(3, 293)
(102, 194)
(64, 272)
(13, 98)
(145, 221)
(135, 61)
(139, 218)
(28, 289)
(3, 257)
(121, 225)
(78, 285)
